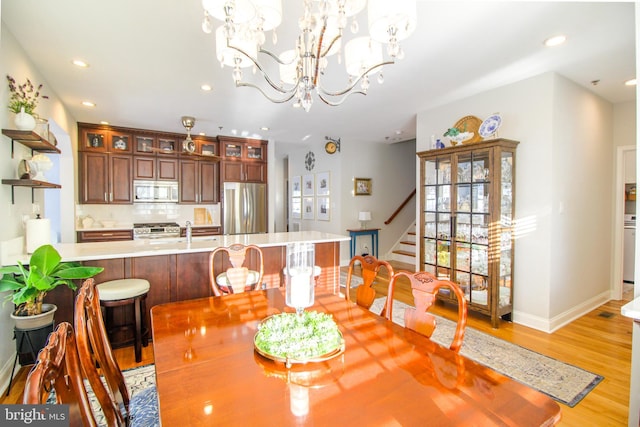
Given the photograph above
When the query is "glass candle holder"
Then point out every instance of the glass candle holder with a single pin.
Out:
(299, 275)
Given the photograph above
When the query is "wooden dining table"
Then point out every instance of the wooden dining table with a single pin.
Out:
(208, 373)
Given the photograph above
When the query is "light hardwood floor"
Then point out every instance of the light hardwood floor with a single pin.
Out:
(599, 342)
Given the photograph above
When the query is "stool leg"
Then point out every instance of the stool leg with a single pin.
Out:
(138, 330)
(145, 323)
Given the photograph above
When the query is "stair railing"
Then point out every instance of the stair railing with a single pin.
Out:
(402, 205)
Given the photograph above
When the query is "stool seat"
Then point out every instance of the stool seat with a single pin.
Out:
(126, 292)
(114, 290)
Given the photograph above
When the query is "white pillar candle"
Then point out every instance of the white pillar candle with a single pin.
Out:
(300, 287)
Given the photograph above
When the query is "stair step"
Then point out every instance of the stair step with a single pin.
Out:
(404, 256)
(407, 242)
(406, 253)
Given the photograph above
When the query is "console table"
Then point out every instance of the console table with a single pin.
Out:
(354, 233)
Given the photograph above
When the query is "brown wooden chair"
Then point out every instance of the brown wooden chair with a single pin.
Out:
(58, 368)
(424, 287)
(236, 278)
(94, 348)
(365, 294)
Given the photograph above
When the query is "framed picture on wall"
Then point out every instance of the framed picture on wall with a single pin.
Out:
(296, 207)
(324, 208)
(307, 185)
(323, 184)
(307, 208)
(296, 186)
(362, 186)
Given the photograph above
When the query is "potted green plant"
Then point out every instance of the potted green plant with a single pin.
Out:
(29, 286)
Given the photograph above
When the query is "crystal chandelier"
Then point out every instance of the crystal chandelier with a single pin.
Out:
(322, 27)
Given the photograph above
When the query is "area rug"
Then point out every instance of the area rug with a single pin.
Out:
(563, 382)
(138, 380)
(355, 280)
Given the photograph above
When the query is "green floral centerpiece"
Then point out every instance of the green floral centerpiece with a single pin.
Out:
(24, 96)
(44, 274)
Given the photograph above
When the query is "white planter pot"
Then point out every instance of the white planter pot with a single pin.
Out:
(36, 321)
(24, 121)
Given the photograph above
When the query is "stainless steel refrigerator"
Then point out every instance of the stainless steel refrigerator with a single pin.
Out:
(244, 208)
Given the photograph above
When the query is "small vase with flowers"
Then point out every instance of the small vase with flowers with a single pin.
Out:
(23, 102)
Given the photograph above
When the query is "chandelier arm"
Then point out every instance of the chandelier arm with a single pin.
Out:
(274, 57)
(326, 51)
(259, 67)
(315, 73)
(355, 82)
(288, 98)
(337, 103)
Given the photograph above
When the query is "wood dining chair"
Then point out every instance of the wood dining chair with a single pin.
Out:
(424, 287)
(58, 368)
(228, 272)
(94, 348)
(365, 294)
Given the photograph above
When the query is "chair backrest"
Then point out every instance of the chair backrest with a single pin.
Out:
(94, 347)
(424, 287)
(58, 367)
(365, 294)
(237, 273)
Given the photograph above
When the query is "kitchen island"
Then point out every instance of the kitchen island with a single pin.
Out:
(178, 270)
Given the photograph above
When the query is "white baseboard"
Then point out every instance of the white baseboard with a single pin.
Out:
(557, 322)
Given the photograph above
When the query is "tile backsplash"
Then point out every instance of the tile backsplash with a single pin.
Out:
(126, 215)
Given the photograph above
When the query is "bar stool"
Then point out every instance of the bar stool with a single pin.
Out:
(121, 292)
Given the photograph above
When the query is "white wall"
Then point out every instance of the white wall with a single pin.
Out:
(14, 62)
(391, 168)
(552, 132)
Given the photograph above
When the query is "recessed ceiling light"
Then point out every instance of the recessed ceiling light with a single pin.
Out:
(264, 128)
(80, 63)
(88, 104)
(202, 134)
(631, 82)
(206, 87)
(104, 122)
(555, 40)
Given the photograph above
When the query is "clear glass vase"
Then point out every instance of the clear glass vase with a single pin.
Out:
(299, 275)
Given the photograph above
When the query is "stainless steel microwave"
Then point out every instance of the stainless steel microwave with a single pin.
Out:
(155, 191)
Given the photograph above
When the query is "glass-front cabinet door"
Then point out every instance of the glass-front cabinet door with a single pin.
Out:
(467, 222)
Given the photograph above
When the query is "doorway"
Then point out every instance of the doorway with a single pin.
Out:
(625, 174)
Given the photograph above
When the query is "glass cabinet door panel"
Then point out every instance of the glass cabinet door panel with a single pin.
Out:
(443, 227)
(479, 290)
(480, 198)
(430, 172)
(506, 167)
(463, 257)
(167, 145)
(504, 290)
(480, 229)
(254, 152)
(464, 168)
(481, 166)
(444, 254)
(444, 171)
(430, 251)
(463, 227)
(144, 144)
(464, 198)
(506, 200)
(120, 143)
(479, 260)
(430, 198)
(94, 140)
(444, 198)
(430, 225)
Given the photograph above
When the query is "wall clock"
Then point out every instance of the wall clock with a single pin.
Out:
(309, 160)
(332, 145)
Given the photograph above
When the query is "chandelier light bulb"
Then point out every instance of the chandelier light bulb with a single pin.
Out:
(380, 78)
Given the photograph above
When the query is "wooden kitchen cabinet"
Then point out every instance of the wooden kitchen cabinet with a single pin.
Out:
(199, 181)
(466, 222)
(105, 178)
(103, 235)
(104, 140)
(201, 231)
(244, 159)
(155, 168)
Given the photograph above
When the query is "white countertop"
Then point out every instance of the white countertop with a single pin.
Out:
(632, 309)
(150, 247)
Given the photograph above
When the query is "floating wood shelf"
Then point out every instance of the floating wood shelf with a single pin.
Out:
(30, 139)
(33, 184)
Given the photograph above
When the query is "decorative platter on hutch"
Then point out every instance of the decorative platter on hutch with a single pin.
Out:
(490, 125)
(469, 124)
(291, 338)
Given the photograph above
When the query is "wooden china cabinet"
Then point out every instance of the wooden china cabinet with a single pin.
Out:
(467, 222)
(244, 159)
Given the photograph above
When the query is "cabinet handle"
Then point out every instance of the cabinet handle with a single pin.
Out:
(111, 197)
(107, 234)
(105, 197)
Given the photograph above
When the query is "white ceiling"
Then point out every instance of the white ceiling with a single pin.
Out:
(148, 59)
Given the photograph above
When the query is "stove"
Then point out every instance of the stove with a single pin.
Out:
(155, 230)
(629, 220)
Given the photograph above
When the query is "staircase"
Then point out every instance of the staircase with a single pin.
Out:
(405, 250)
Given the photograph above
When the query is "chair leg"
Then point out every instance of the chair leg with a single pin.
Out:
(145, 324)
(138, 330)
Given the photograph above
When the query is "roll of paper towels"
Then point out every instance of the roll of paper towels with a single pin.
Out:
(38, 233)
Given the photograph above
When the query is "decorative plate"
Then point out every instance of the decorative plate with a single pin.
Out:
(309, 160)
(291, 338)
(490, 125)
(469, 124)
